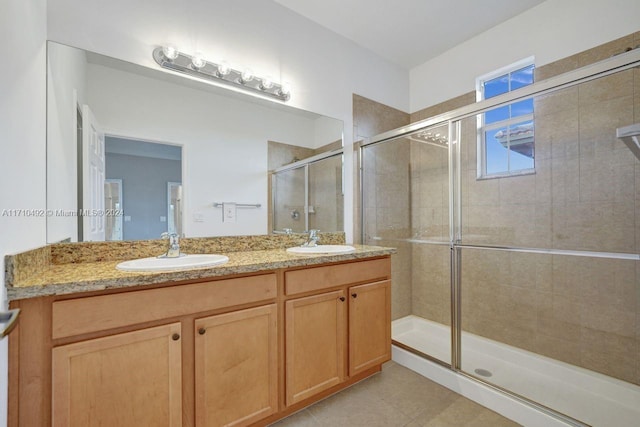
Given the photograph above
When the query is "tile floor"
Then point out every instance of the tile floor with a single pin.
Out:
(396, 396)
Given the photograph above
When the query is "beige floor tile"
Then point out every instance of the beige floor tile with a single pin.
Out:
(491, 419)
(357, 407)
(396, 396)
(462, 412)
(299, 419)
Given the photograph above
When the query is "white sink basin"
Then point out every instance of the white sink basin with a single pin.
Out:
(185, 262)
(321, 249)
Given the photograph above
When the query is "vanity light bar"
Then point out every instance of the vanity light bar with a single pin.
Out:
(197, 66)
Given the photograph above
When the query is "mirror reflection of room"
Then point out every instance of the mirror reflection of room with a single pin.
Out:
(149, 177)
(227, 156)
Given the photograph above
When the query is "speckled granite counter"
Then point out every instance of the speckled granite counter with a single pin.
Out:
(40, 273)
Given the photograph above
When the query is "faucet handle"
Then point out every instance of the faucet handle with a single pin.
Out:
(174, 238)
(313, 233)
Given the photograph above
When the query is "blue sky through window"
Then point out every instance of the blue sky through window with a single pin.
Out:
(509, 147)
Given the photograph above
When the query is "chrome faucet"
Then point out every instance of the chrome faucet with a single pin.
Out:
(313, 238)
(174, 245)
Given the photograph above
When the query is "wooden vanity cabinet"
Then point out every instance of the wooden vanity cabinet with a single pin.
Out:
(231, 351)
(369, 325)
(130, 379)
(148, 357)
(315, 344)
(336, 325)
(236, 367)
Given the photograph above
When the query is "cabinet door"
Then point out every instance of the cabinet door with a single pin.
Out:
(236, 357)
(130, 379)
(369, 325)
(315, 336)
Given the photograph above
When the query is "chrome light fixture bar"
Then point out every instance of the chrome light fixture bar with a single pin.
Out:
(197, 66)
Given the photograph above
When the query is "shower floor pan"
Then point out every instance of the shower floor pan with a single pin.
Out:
(585, 395)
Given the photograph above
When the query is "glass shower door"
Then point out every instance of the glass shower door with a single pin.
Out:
(550, 293)
(289, 200)
(406, 205)
(326, 199)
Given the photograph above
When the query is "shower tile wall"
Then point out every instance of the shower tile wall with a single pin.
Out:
(431, 283)
(325, 195)
(443, 107)
(587, 57)
(280, 154)
(585, 195)
(386, 195)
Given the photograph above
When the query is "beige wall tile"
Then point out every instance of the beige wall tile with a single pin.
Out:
(606, 50)
(431, 285)
(598, 122)
(559, 348)
(603, 318)
(557, 134)
(401, 281)
(517, 190)
(371, 117)
(556, 101)
(618, 85)
(469, 143)
(443, 107)
(484, 192)
(280, 154)
(610, 354)
(555, 68)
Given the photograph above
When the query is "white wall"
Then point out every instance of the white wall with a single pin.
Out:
(326, 130)
(22, 121)
(66, 81)
(323, 68)
(224, 141)
(550, 31)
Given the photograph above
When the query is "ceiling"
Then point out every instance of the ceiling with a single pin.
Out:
(409, 32)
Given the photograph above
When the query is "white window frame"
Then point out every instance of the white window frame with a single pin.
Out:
(481, 128)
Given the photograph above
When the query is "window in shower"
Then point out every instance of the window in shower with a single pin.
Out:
(506, 133)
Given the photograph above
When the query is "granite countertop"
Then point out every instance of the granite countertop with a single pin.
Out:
(68, 278)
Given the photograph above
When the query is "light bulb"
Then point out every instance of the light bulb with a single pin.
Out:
(223, 68)
(285, 90)
(170, 52)
(198, 61)
(267, 83)
(246, 76)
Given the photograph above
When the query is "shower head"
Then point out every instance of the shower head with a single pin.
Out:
(630, 135)
(431, 138)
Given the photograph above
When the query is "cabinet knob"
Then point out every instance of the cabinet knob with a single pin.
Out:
(202, 331)
(354, 295)
(342, 298)
(175, 337)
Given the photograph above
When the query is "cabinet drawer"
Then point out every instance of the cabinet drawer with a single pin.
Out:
(92, 314)
(312, 279)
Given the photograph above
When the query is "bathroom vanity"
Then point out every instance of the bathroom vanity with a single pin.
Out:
(245, 343)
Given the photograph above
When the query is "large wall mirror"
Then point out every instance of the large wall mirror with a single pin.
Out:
(134, 151)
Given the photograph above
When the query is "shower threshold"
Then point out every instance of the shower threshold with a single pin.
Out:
(585, 395)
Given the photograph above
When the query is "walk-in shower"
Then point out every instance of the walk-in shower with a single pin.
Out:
(308, 194)
(525, 283)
